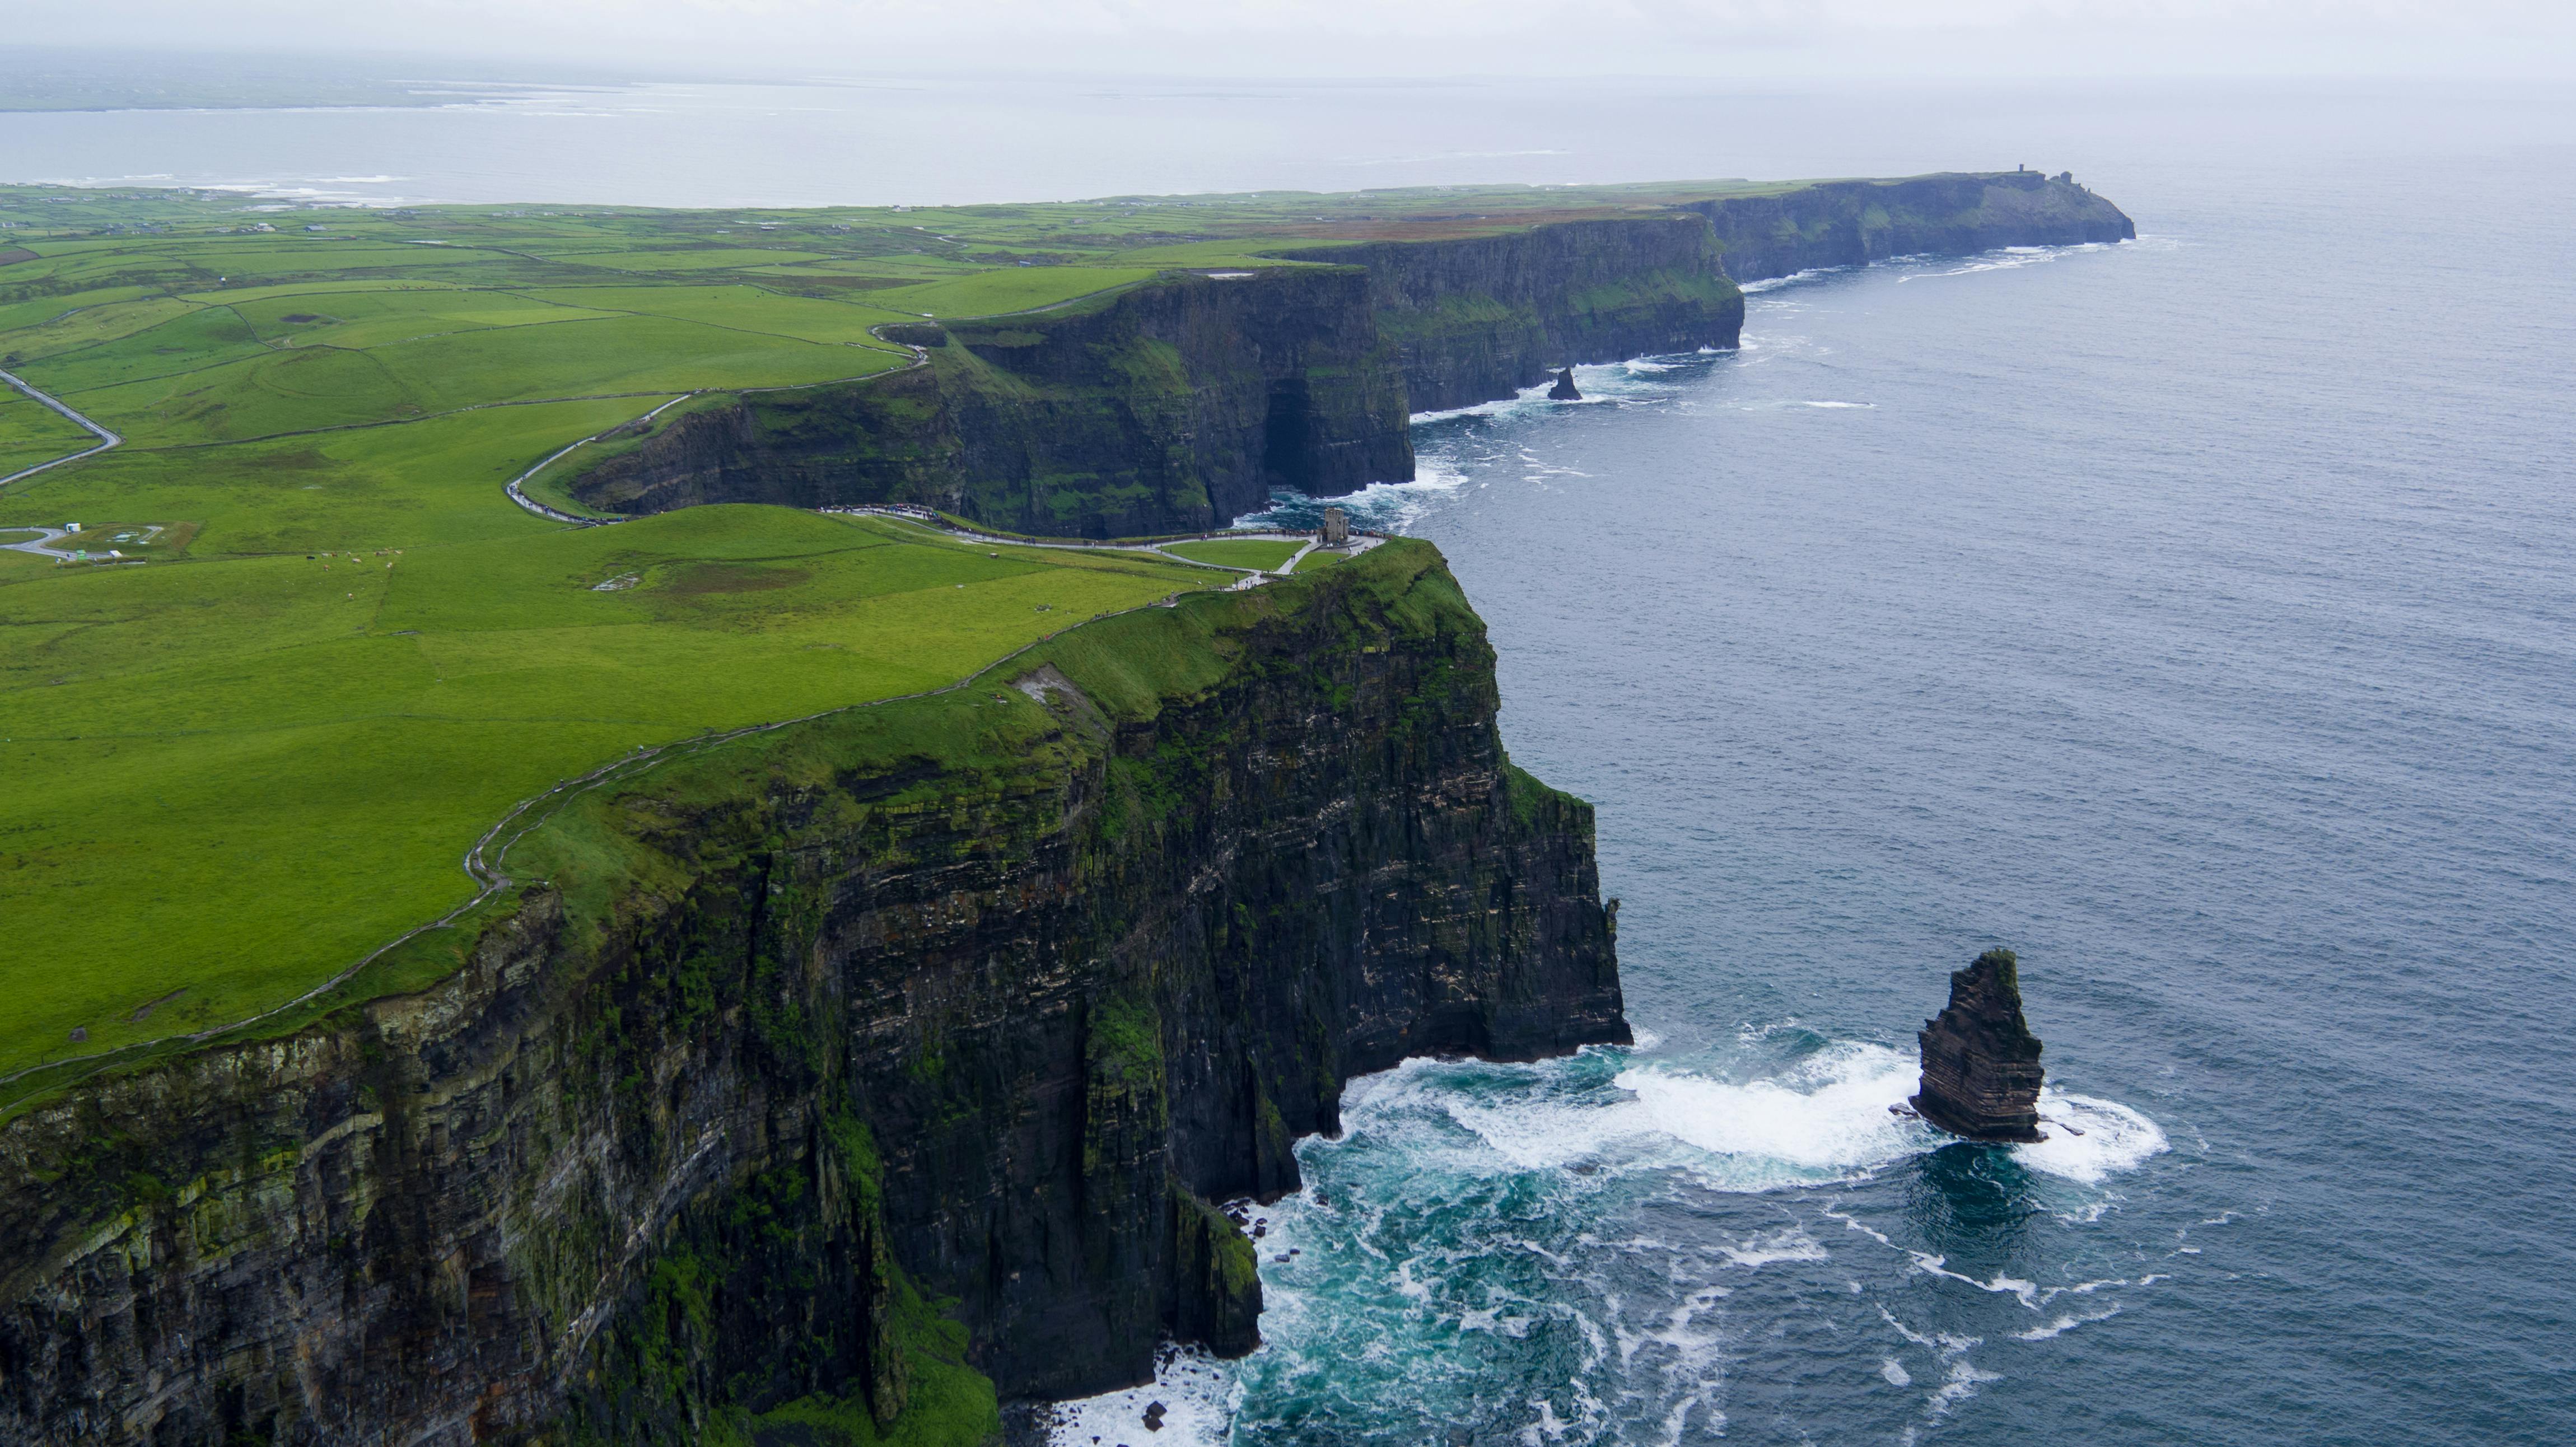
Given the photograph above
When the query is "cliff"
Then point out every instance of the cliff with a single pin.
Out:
(839, 1076)
(1847, 223)
(1178, 404)
(1480, 318)
(1981, 1071)
(1173, 406)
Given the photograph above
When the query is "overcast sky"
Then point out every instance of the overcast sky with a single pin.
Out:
(1925, 39)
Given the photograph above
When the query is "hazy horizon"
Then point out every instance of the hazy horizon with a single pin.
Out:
(1824, 40)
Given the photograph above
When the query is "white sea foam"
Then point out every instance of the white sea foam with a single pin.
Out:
(1775, 404)
(1825, 1119)
(1786, 1244)
(1830, 1114)
(1773, 283)
(1963, 1382)
(2115, 1138)
(2067, 1322)
(2027, 1292)
(1198, 1396)
(2009, 258)
(1381, 506)
(1535, 393)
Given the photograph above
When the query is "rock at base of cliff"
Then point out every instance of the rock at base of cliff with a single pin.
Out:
(1216, 1283)
(1981, 1070)
(1565, 390)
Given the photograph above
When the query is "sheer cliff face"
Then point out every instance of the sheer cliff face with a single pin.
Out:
(1180, 404)
(1847, 223)
(979, 998)
(1170, 407)
(1477, 319)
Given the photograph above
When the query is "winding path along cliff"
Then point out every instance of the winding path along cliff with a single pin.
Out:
(967, 1004)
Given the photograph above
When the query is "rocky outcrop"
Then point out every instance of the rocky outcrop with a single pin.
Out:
(839, 1069)
(1172, 406)
(1981, 1071)
(1479, 318)
(1847, 223)
(1565, 390)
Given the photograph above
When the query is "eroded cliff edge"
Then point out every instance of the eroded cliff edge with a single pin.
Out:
(973, 1002)
(1479, 318)
(1851, 223)
(1168, 407)
(1180, 403)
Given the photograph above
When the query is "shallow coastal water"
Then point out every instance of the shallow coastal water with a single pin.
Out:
(2196, 616)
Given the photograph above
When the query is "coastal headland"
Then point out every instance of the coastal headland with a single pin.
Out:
(888, 935)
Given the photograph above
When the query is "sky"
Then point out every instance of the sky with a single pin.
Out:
(1915, 39)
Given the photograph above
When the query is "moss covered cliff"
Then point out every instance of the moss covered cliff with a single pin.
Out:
(837, 1080)
(1482, 317)
(1173, 406)
(1180, 402)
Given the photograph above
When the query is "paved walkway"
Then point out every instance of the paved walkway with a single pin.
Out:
(106, 439)
(1251, 577)
(920, 359)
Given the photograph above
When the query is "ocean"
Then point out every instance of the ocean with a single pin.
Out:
(2195, 616)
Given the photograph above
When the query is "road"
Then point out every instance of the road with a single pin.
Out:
(106, 439)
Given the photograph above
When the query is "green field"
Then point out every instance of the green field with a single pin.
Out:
(260, 755)
(1265, 553)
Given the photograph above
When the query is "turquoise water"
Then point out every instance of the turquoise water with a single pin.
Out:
(2197, 617)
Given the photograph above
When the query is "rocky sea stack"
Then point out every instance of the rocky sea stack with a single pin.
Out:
(1981, 1069)
(1565, 390)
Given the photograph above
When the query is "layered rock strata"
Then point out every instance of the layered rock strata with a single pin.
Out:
(1981, 1071)
(1849, 223)
(1479, 318)
(836, 1065)
(1178, 404)
(1173, 406)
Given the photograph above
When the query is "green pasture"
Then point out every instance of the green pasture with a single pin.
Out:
(1014, 289)
(31, 432)
(247, 762)
(1263, 553)
(258, 769)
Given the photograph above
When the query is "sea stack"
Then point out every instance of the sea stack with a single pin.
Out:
(1564, 390)
(1980, 1062)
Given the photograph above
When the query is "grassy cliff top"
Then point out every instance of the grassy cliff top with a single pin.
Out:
(248, 761)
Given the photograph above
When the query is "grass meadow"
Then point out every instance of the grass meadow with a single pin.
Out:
(244, 763)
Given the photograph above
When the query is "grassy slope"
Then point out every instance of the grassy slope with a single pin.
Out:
(255, 770)
(262, 768)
